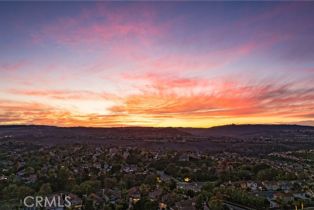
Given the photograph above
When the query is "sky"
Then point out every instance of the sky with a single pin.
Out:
(176, 64)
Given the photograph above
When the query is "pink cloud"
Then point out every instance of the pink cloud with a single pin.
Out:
(113, 24)
(158, 100)
(13, 67)
(193, 97)
(65, 94)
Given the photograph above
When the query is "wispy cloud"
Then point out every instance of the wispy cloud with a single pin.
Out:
(168, 64)
(65, 94)
(13, 67)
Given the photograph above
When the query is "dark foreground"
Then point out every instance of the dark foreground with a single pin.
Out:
(230, 167)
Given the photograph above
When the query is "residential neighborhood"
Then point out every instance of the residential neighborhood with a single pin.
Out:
(96, 177)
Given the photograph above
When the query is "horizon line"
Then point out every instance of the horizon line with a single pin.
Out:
(99, 127)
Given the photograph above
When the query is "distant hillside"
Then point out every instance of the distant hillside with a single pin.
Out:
(244, 139)
(149, 132)
(252, 130)
(121, 132)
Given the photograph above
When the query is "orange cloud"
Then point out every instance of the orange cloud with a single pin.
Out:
(183, 98)
(15, 112)
(171, 101)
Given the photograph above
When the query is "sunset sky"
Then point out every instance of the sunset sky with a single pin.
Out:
(184, 64)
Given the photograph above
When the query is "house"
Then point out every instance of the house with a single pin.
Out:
(285, 197)
(134, 194)
(76, 202)
(186, 204)
(271, 185)
(194, 186)
(155, 195)
(163, 177)
(129, 168)
(242, 185)
(111, 195)
(252, 186)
